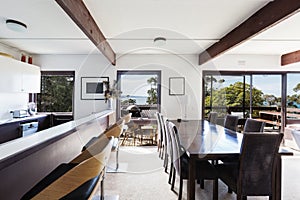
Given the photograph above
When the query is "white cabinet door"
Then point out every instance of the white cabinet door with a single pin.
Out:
(10, 77)
(31, 79)
(17, 76)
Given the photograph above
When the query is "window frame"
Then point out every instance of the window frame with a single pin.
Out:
(250, 73)
(140, 72)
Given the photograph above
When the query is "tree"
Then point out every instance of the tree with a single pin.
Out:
(152, 92)
(56, 95)
(233, 96)
(297, 88)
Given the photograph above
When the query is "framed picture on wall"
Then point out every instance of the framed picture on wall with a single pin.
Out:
(176, 86)
(93, 88)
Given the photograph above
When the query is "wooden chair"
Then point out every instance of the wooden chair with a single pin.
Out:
(231, 122)
(205, 170)
(78, 179)
(252, 125)
(254, 174)
(212, 117)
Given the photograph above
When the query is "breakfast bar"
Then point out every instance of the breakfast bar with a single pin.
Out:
(28, 159)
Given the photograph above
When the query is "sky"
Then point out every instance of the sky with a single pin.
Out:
(135, 85)
(269, 84)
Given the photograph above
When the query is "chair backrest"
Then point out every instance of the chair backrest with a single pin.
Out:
(296, 135)
(252, 125)
(212, 117)
(92, 148)
(159, 127)
(166, 135)
(257, 163)
(116, 129)
(174, 145)
(127, 118)
(231, 122)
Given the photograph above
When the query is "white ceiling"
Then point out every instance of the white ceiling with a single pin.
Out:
(130, 26)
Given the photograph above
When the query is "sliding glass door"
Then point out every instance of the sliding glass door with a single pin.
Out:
(242, 94)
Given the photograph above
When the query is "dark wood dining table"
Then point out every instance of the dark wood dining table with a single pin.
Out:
(204, 140)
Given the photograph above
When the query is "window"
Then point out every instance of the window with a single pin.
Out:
(139, 89)
(246, 94)
(56, 91)
(293, 96)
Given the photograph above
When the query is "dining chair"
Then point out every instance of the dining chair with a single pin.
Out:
(166, 143)
(204, 169)
(160, 142)
(231, 122)
(252, 125)
(254, 174)
(212, 117)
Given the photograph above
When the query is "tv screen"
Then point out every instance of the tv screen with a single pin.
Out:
(94, 88)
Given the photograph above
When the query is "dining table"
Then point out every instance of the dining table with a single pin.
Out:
(207, 141)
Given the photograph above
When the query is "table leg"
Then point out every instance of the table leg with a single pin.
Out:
(191, 180)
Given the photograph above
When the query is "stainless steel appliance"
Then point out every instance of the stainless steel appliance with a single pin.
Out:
(19, 113)
(28, 128)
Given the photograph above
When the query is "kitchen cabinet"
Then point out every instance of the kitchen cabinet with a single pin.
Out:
(11, 129)
(17, 76)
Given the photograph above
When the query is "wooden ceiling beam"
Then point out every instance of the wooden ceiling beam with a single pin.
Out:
(79, 13)
(290, 58)
(268, 16)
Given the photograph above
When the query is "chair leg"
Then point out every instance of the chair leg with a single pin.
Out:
(241, 197)
(202, 183)
(171, 173)
(180, 188)
(173, 179)
(102, 189)
(215, 189)
(117, 158)
(166, 163)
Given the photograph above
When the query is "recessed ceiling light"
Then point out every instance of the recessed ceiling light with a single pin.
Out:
(160, 41)
(16, 25)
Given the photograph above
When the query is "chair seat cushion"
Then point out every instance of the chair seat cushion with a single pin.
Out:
(84, 191)
(50, 178)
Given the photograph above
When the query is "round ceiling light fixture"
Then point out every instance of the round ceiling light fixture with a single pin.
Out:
(16, 25)
(160, 41)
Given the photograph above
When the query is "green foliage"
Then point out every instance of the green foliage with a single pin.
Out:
(56, 94)
(233, 96)
(128, 101)
(152, 92)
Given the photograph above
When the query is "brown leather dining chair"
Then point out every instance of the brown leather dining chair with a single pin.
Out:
(252, 125)
(231, 122)
(254, 174)
(204, 169)
(212, 117)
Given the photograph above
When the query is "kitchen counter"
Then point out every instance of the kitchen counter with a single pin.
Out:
(25, 161)
(16, 146)
(13, 120)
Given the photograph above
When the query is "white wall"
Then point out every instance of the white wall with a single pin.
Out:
(94, 65)
(187, 106)
(173, 107)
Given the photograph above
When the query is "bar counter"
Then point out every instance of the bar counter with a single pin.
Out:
(25, 161)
